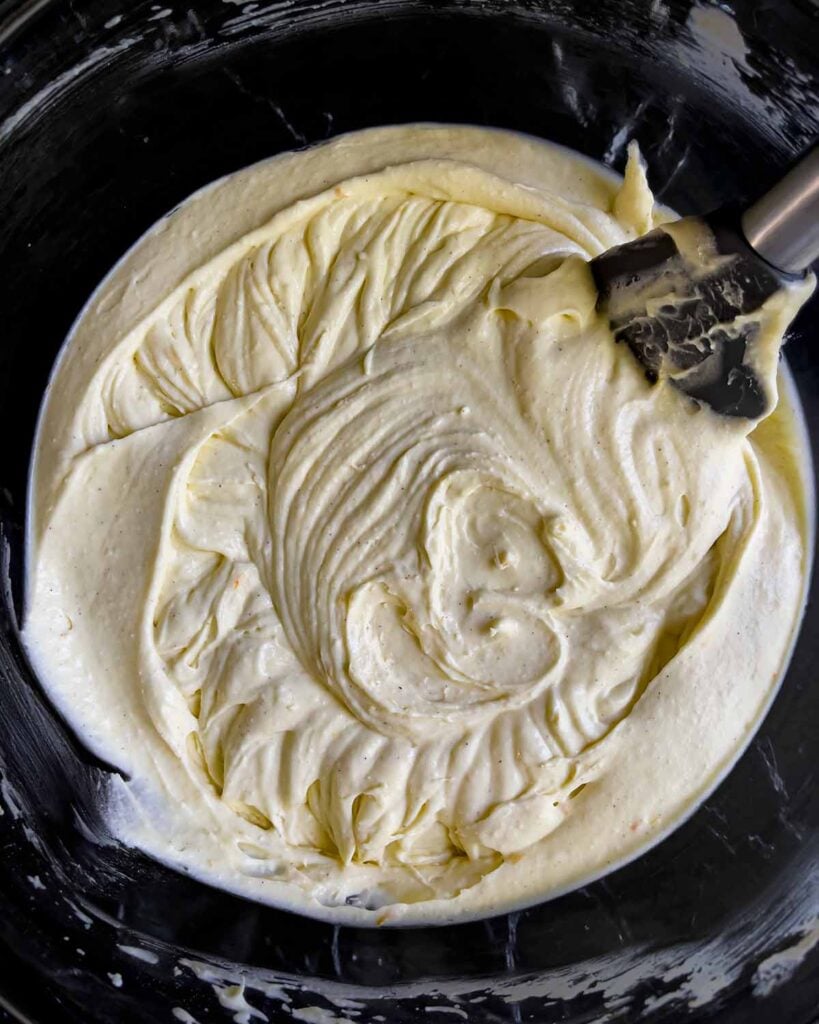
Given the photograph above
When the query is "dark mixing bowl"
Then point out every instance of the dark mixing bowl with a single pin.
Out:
(110, 114)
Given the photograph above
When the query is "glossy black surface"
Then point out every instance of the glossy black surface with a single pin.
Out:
(94, 160)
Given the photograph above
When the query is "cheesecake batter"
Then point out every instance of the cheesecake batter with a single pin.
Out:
(391, 585)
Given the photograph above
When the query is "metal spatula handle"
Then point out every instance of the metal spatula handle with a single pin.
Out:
(783, 226)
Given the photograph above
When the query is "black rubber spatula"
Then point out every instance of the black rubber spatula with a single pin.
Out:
(686, 298)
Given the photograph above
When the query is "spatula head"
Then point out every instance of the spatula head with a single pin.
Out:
(683, 299)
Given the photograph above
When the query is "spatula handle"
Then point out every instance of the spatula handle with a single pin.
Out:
(783, 226)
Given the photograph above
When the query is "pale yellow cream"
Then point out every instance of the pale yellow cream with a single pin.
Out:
(382, 571)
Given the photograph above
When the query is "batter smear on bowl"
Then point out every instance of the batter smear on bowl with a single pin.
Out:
(391, 583)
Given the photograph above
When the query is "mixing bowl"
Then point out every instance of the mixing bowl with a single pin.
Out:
(110, 114)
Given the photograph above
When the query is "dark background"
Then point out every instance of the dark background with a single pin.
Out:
(158, 105)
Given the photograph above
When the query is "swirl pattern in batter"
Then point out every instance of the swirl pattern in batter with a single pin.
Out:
(363, 547)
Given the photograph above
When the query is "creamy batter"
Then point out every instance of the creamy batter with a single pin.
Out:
(395, 589)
